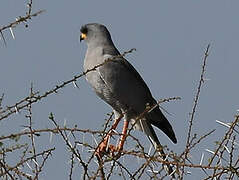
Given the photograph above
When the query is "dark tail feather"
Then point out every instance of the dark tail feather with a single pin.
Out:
(167, 129)
(159, 120)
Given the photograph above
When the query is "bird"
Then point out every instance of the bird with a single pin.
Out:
(119, 84)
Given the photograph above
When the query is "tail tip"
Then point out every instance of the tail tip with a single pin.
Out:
(173, 139)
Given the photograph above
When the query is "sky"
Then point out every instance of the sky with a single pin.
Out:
(170, 38)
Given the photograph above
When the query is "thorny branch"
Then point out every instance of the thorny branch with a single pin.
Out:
(9, 168)
(196, 99)
(19, 20)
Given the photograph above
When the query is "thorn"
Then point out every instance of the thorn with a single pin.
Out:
(69, 143)
(16, 109)
(227, 149)
(75, 84)
(51, 135)
(209, 151)
(174, 172)
(166, 158)
(224, 124)
(64, 124)
(96, 162)
(150, 148)
(94, 139)
(29, 166)
(2, 37)
(201, 160)
(206, 79)
(114, 130)
(69, 133)
(25, 129)
(35, 162)
(12, 33)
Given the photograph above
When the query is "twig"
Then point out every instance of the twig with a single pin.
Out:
(201, 81)
(25, 160)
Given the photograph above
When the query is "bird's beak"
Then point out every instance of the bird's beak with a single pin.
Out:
(82, 36)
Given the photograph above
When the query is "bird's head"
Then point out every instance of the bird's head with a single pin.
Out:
(94, 33)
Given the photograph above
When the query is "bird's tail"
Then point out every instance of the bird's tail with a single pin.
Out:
(146, 127)
(157, 118)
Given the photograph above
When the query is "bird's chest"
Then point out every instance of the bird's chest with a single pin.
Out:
(98, 84)
(95, 81)
(93, 58)
(102, 90)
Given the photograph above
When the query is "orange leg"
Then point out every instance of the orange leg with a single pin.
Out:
(123, 136)
(102, 147)
(120, 145)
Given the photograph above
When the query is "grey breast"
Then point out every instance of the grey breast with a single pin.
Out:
(97, 82)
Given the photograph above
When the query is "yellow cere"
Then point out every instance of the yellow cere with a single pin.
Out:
(83, 36)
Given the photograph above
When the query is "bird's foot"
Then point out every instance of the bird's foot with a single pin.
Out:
(115, 151)
(104, 149)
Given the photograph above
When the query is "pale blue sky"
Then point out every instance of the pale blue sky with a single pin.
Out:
(170, 38)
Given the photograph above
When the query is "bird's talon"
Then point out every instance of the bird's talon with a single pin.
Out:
(102, 148)
(114, 151)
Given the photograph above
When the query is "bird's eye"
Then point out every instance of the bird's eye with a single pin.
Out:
(83, 30)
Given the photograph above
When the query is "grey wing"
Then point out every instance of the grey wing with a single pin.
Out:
(126, 84)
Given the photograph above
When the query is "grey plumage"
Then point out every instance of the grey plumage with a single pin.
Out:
(119, 84)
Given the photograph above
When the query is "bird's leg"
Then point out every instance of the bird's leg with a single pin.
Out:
(120, 145)
(123, 136)
(102, 147)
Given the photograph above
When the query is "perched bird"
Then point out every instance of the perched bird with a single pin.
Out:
(120, 85)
